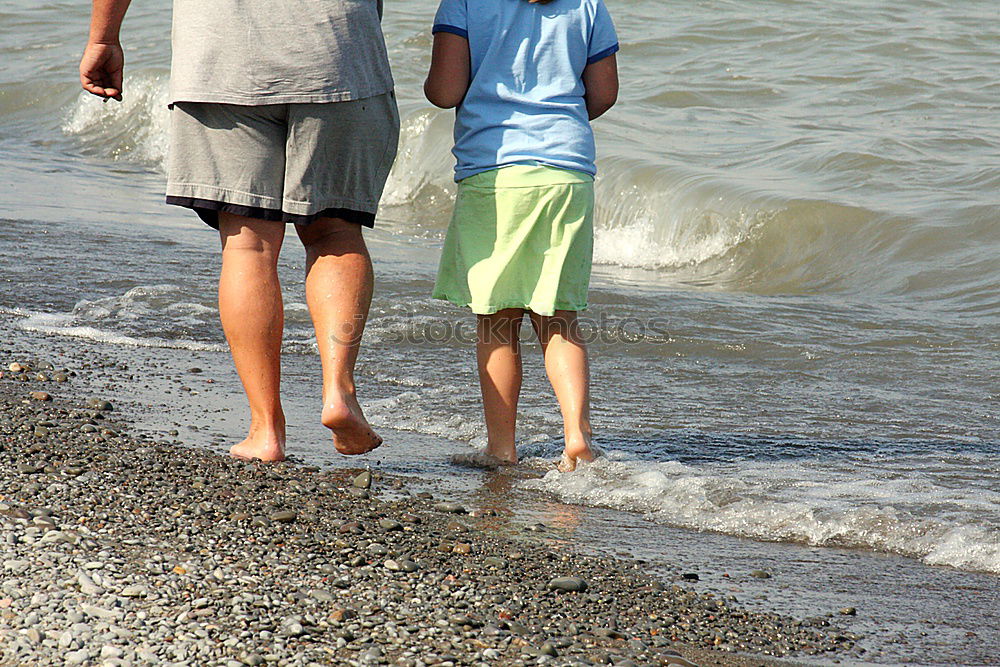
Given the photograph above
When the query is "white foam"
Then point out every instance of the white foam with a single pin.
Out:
(815, 503)
(107, 319)
(133, 130)
(423, 168)
(61, 324)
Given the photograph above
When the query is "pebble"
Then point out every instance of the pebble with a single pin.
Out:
(849, 611)
(760, 574)
(449, 508)
(41, 396)
(568, 584)
(149, 553)
(548, 649)
(390, 525)
(363, 481)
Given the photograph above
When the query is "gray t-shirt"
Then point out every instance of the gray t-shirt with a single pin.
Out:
(278, 51)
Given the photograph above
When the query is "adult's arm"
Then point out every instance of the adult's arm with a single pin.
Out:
(600, 79)
(103, 61)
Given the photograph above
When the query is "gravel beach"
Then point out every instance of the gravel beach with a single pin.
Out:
(115, 550)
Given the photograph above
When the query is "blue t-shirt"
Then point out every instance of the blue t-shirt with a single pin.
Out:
(525, 101)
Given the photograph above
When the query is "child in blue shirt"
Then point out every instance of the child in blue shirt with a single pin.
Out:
(526, 77)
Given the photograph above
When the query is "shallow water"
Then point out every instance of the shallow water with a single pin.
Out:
(794, 308)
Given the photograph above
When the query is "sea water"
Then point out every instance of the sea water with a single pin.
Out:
(795, 302)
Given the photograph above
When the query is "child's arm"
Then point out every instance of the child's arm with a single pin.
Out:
(600, 79)
(448, 80)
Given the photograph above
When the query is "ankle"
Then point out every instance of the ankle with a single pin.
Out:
(504, 452)
(267, 426)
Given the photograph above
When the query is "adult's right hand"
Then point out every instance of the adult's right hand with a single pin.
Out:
(101, 70)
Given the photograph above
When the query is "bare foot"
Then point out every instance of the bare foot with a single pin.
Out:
(352, 434)
(269, 448)
(577, 450)
(482, 459)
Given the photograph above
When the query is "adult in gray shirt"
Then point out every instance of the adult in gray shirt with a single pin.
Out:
(281, 112)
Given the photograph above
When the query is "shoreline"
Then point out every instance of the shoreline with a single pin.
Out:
(120, 551)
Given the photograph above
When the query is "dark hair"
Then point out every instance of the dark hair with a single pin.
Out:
(539, 2)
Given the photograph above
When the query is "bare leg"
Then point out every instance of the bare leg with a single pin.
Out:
(566, 365)
(252, 316)
(339, 282)
(498, 352)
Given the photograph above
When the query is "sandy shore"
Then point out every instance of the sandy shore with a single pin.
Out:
(117, 551)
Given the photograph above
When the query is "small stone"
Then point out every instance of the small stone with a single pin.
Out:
(449, 508)
(363, 481)
(41, 396)
(41, 432)
(195, 369)
(355, 492)
(374, 654)
(287, 516)
(411, 518)
(87, 585)
(690, 576)
(16, 368)
(351, 527)
(392, 565)
(60, 377)
(133, 592)
(321, 595)
(536, 527)
(607, 633)
(848, 611)
(568, 584)
(77, 657)
(253, 660)
(495, 562)
(390, 525)
(345, 614)
(98, 612)
(294, 629)
(760, 574)
(100, 405)
(109, 652)
(462, 548)
(548, 649)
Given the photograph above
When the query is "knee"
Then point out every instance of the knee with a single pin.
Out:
(329, 233)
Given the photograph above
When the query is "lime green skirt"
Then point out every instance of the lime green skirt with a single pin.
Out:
(520, 237)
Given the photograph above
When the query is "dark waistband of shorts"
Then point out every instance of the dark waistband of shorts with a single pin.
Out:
(208, 210)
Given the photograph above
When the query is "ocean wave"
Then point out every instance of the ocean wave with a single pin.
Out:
(700, 227)
(61, 324)
(806, 503)
(133, 130)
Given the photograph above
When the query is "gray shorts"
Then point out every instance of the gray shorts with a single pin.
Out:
(283, 162)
